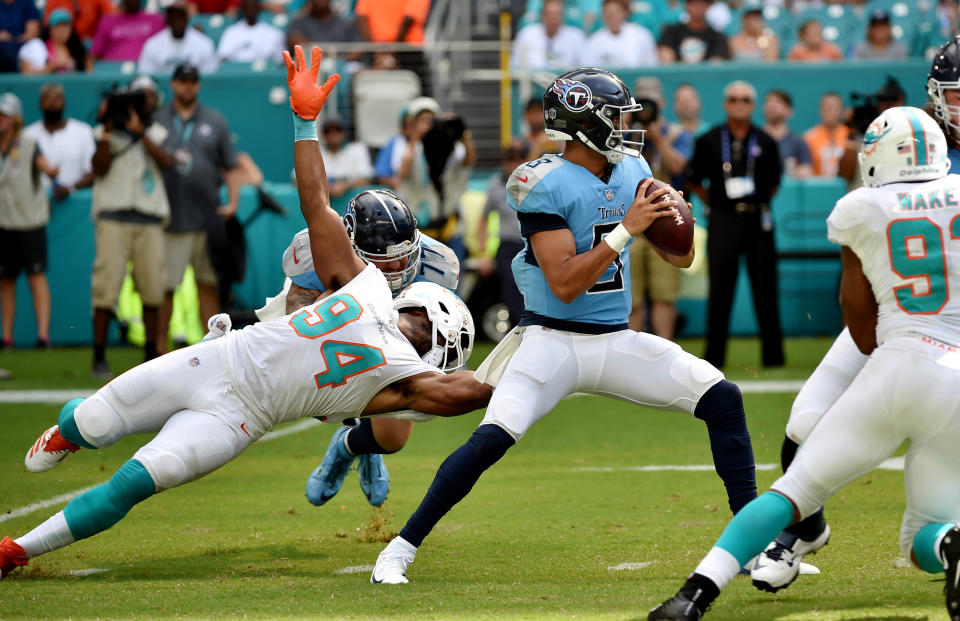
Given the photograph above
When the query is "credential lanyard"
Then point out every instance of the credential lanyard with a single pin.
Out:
(185, 131)
(728, 160)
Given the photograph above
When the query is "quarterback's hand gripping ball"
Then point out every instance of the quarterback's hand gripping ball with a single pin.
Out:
(671, 235)
(306, 96)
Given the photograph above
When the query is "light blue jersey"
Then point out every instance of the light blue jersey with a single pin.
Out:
(551, 193)
(438, 263)
(954, 156)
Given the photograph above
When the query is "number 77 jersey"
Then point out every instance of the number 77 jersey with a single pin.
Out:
(325, 360)
(907, 236)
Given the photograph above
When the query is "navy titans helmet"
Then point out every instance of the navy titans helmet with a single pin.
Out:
(382, 229)
(945, 75)
(592, 105)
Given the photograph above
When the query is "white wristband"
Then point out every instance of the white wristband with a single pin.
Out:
(618, 238)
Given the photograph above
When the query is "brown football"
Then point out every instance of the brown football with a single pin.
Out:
(671, 235)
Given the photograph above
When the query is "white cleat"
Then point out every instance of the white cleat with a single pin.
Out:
(779, 565)
(48, 451)
(391, 567)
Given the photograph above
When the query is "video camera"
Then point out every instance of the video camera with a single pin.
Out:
(649, 114)
(120, 99)
(866, 106)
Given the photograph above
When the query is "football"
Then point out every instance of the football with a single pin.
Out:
(671, 235)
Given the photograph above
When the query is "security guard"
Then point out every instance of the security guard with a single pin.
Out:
(742, 166)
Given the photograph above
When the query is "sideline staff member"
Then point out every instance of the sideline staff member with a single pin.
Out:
(742, 165)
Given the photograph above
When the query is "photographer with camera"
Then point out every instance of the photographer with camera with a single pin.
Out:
(866, 107)
(434, 170)
(666, 148)
(129, 210)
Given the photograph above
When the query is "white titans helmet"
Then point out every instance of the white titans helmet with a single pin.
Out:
(453, 329)
(903, 144)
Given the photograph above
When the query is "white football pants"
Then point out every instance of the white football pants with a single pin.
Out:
(906, 390)
(825, 385)
(188, 397)
(631, 366)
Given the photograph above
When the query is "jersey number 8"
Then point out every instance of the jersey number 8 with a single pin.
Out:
(343, 359)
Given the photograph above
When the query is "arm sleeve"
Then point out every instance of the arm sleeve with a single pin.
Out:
(225, 150)
(803, 152)
(100, 39)
(364, 168)
(697, 168)
(531, 223)
(843, 221)
(382, 166)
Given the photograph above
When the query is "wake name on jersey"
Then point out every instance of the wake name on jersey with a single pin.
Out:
(325, 360)
(907, 237)
(551, 193)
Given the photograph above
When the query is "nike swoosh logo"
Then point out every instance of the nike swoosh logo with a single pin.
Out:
(243, 428)
(522, 179)
(295, 259)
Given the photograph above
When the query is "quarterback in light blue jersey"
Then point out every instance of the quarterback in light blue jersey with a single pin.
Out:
(578, 212)
(384, 233)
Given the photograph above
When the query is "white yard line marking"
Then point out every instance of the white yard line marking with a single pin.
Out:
(49, 502)
(58, 397)
(43, 504)
(87, 572)
(62, 396)
(354, 569)
(630, 566)
(664, 468)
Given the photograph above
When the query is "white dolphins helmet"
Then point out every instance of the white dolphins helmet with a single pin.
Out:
(453, 329)
(903, 144)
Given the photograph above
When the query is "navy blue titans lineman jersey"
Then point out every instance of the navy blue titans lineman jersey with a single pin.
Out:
(551, 193)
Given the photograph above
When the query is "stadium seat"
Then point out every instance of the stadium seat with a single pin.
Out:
(379, 97)
(106, 66)
(653, 15)
(212, 24)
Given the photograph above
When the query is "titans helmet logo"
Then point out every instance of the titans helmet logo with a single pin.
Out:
(575, 96)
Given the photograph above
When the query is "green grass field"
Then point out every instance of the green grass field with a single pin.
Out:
(539, 536)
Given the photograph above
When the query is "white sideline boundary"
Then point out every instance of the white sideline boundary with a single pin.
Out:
(55, 500)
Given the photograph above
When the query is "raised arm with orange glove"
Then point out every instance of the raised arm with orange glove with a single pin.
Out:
(333, 257)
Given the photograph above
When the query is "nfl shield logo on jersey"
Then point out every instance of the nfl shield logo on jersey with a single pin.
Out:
(608, 194)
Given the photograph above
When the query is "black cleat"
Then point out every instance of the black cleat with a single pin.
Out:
(950, 549)
(678, 608)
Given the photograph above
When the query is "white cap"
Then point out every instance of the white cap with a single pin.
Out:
(10, 105)
(420, 104)
(143, 82)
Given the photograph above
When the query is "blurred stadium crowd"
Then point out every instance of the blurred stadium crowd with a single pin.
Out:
(157, 168)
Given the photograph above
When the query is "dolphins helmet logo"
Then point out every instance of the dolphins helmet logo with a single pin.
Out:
(877, 130)
(576, 96)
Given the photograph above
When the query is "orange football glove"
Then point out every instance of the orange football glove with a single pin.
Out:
(306, 96)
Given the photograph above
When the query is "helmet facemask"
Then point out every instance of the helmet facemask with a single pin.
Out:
(407, 251)
(945, 113)
(451, 324)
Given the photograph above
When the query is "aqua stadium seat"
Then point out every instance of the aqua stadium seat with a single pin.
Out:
(104, 67)
(212, 24)
(654, 15)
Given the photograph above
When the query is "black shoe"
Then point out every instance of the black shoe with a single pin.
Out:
(950, 549)
(43, 343)
(101, 370)
(677, 608)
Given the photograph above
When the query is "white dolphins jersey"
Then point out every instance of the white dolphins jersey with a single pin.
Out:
(325, 360)
(907, 236)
